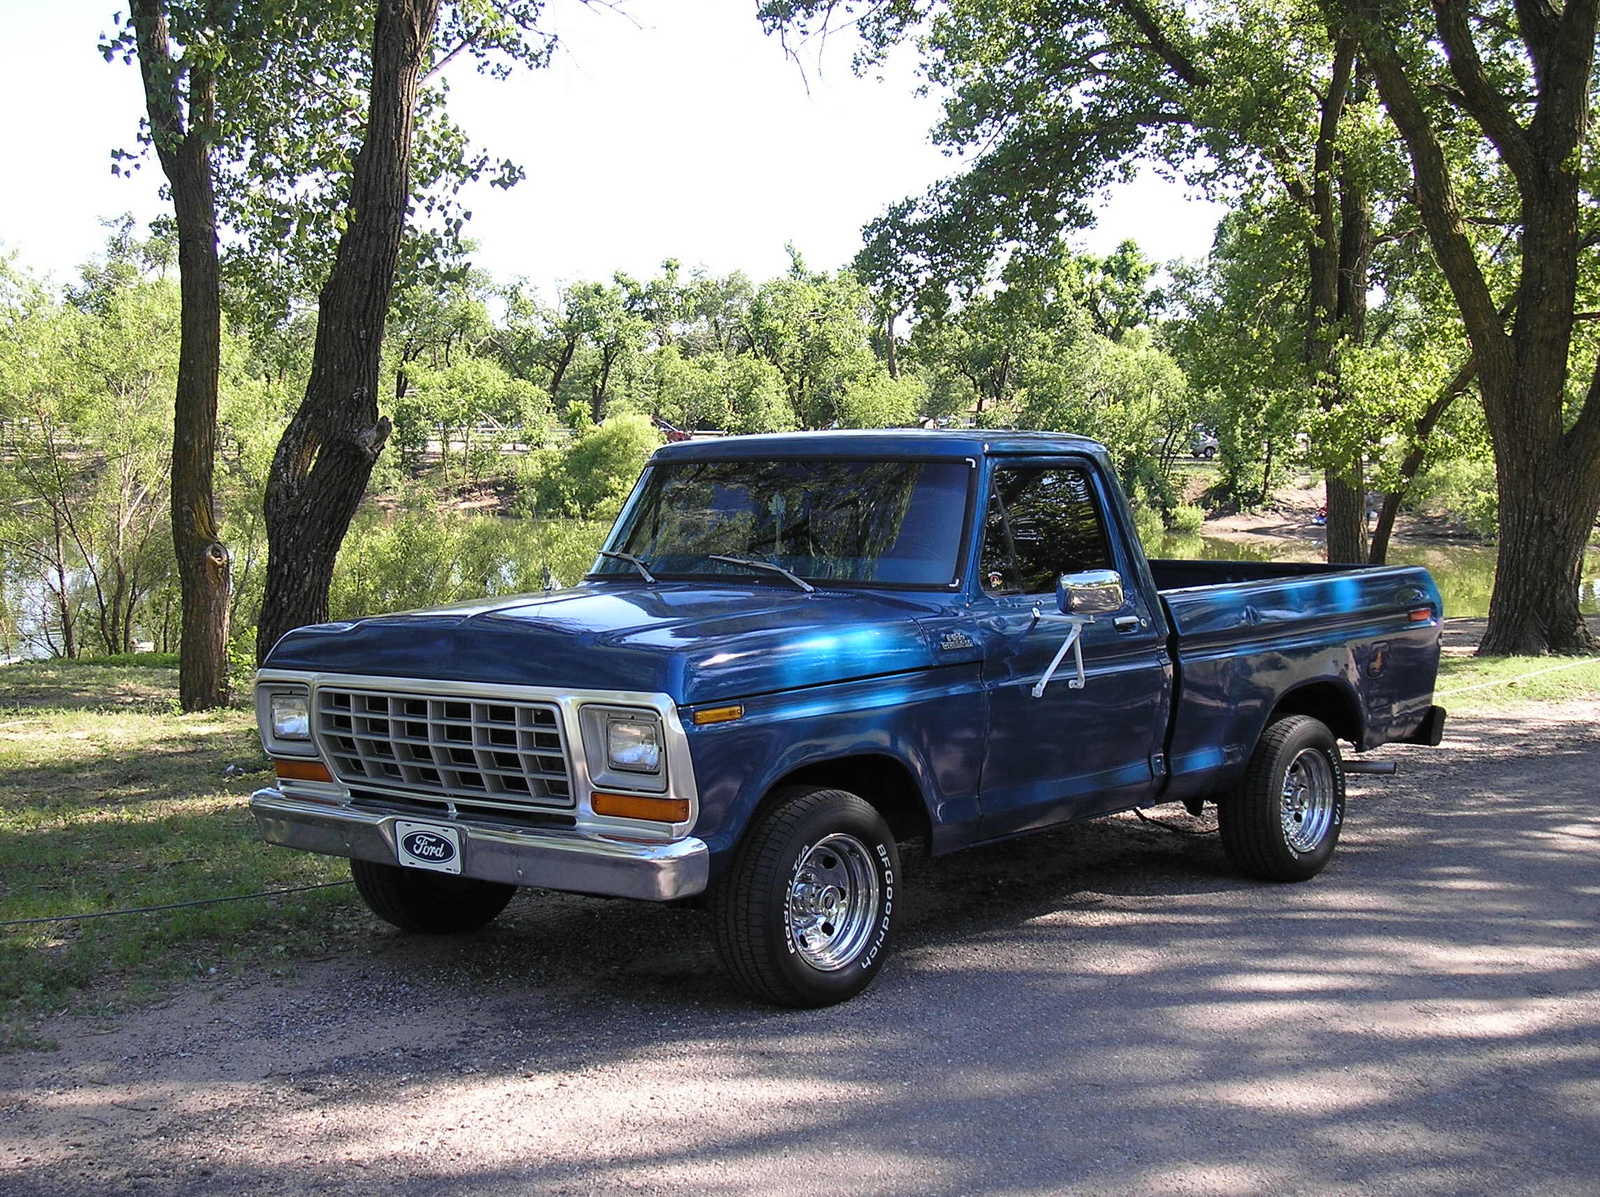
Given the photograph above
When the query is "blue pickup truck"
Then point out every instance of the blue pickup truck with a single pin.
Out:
(796, 653)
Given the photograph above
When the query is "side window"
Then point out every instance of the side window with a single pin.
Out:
(1042, 521)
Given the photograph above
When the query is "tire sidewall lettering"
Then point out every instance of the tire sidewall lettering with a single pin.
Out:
(886, 878)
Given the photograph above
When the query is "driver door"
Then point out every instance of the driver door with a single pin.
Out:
(1069, 753)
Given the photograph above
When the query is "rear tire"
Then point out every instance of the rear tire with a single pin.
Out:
(804, 913)
(1282, 821)
(434, 903)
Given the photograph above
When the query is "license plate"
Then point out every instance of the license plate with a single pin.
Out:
(428, 846)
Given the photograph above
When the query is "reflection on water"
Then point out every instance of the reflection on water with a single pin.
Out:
(1465, 573)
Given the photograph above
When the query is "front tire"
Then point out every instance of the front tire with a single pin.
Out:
(1282, 821)
(434, 903)
(804, 913)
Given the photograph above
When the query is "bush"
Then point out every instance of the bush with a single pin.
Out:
(1147, 523)
(1187, 518)
(1463, 489)
(590, 477)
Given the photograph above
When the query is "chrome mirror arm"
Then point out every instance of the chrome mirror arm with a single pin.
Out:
(1074, 641)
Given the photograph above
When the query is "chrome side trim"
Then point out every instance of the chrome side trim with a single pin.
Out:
(548, 859)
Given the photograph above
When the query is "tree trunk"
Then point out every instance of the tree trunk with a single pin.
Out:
(322, 464)
(203, 564)
(1547, 469)
(1334, 313)
(560, 369)
(69, 635)
(1544, 527)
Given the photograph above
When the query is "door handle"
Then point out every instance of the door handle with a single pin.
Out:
(1126, 623)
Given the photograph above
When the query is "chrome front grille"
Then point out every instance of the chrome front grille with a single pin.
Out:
(468, 751)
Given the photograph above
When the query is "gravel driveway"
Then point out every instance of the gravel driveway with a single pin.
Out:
(1107, 1009)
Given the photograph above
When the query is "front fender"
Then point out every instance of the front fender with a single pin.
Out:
(931, 723)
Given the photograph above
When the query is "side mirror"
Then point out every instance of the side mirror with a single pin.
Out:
(1092, 592)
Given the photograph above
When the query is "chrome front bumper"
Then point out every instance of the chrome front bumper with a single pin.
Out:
(563, 860)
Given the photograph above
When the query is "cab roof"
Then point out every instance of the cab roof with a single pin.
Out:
(871, 443)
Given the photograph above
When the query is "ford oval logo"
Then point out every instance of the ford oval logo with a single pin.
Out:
(424, 845)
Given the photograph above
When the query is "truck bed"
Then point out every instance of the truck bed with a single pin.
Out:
(1356, 646)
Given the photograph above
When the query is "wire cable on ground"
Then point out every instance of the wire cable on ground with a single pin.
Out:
(1173, 827)
(105, 914)
(1506, 681)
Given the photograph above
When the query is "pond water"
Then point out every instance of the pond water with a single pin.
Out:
(1465, 573)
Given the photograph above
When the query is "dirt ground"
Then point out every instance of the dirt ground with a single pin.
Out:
(1107, 1009)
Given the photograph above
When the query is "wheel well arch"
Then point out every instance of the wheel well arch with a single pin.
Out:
(1334, 705)
(881, 780)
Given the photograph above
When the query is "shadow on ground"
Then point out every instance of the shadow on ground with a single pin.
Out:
(1107, 1009)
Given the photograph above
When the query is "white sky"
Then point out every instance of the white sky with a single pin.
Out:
(681, 133)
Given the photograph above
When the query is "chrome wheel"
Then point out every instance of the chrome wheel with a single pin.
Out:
(804, 913)
(833, 902)
(1309, 796)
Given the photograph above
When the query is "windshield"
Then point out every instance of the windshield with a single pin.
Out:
(893, 523)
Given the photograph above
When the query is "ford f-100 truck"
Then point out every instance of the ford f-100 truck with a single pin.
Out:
(795, 653)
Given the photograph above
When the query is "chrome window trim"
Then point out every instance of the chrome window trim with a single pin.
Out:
(680, 780)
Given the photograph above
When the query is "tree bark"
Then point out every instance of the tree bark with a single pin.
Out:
(322, 464)
(183, 147)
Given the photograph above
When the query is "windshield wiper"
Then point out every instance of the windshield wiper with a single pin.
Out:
(631, 560)
(753, 563)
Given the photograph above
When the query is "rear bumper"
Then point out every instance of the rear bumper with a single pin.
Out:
(563, 860)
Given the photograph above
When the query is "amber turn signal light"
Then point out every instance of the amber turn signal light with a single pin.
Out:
(634, 806)
(1422, 615)
(302, 771)
(717, 715)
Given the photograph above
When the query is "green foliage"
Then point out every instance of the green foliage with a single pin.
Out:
(1148, 524)
(85, 424)
(1460, 488)
(290, 87)
(424, 557)
(814, 329)
(472, 404)
(591, 476)
(1186, 519)
(877, 401)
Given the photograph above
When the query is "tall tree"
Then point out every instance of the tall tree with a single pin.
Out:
(325, 457)
(1517, 83)
(181, 103)
(1054, 99)
(289, 125)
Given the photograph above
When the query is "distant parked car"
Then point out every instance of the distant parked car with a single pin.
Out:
(1203, 444)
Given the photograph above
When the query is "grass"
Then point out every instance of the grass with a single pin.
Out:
(1477, 684)
(109, 799)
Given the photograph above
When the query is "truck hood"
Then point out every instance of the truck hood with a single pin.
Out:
(690, 641)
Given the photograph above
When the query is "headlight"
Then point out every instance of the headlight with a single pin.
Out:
(291, 717)
(633, 745)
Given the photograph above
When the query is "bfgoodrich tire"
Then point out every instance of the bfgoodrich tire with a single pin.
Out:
(1282, 822)
(420, 900)
(805, 912)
